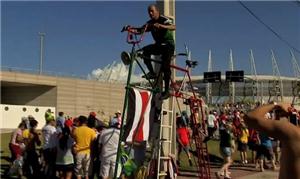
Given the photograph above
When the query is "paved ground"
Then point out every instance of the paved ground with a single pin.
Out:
(237, 171)
(262, 175)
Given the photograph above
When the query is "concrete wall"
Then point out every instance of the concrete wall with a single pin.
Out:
(70, 95)
(79, 97)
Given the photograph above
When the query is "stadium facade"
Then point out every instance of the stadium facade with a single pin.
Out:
(76, 96)
(262, 88)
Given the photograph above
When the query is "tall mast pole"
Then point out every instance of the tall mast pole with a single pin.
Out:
(42, 36)
(231, 84)
(208, 85)
(253, 73)
(277, 81)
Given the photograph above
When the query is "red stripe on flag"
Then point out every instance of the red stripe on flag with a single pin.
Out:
(138, 132)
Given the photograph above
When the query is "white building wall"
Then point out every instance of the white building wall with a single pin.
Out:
(11, 115)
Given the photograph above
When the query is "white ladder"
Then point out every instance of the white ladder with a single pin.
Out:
(165, 137)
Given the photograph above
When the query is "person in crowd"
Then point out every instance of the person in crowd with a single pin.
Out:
(95, 152)
(181, 119)
(211, 125)
(92, 120)
(108, 144)
(287, 133)
(236, 121)
(48, 113)
(17, 147)
(26, 121)
(83, 136)
(185, 118)
(118, 116)
(216, 124)
(275, 142)
(293, 115)
(223, 117)
(253, 145)
(195, 119)
(31, 163)
(69, 123)
(225, 149)
(27, 130)
(64, 162)
(49, 135)
(276, 150)
(60, 121)
(265, 150)
(242, 142)
(183, 140)
(75, 123)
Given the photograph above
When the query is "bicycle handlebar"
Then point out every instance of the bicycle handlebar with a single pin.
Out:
(133, 31)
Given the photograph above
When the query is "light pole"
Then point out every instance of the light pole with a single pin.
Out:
(42, 36)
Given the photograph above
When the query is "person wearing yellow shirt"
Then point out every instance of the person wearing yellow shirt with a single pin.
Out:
(243, 141)
(25, 134)
(83, 136)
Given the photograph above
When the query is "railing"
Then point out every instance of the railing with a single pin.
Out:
(58, 74)
(36, 72)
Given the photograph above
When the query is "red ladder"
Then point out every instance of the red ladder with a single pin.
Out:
(199, 133)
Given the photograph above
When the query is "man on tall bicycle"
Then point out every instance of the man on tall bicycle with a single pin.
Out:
(160, 28)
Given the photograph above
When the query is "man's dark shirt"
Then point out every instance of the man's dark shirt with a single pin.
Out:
(161, 36)
(225, 138)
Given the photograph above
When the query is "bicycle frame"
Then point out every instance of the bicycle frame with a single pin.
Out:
(130, 40)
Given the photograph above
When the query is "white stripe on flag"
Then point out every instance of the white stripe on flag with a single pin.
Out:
(137, 115)
(146, 127)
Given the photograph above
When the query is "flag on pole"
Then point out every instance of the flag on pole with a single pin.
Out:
(137, 126)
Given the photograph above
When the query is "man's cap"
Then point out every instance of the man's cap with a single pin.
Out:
(118, 112)
(93, 114)
(49, 118)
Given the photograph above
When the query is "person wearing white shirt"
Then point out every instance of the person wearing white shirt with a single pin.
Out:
(49, 138)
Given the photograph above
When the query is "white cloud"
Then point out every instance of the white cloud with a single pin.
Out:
(115, 72)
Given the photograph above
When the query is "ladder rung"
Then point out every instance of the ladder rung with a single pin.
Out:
(167, 141)
(162, 174)
(164, 158)
(167, 110)
(167, 126)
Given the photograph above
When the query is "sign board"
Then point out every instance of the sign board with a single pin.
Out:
(235, 76)
(212, 77)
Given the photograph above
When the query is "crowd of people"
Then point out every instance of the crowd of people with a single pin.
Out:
(226, 124)
(65, 147)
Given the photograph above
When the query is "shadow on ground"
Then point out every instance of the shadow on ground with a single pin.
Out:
(4, 170)
(5, 165)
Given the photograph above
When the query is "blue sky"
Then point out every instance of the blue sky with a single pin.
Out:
(83, 36)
